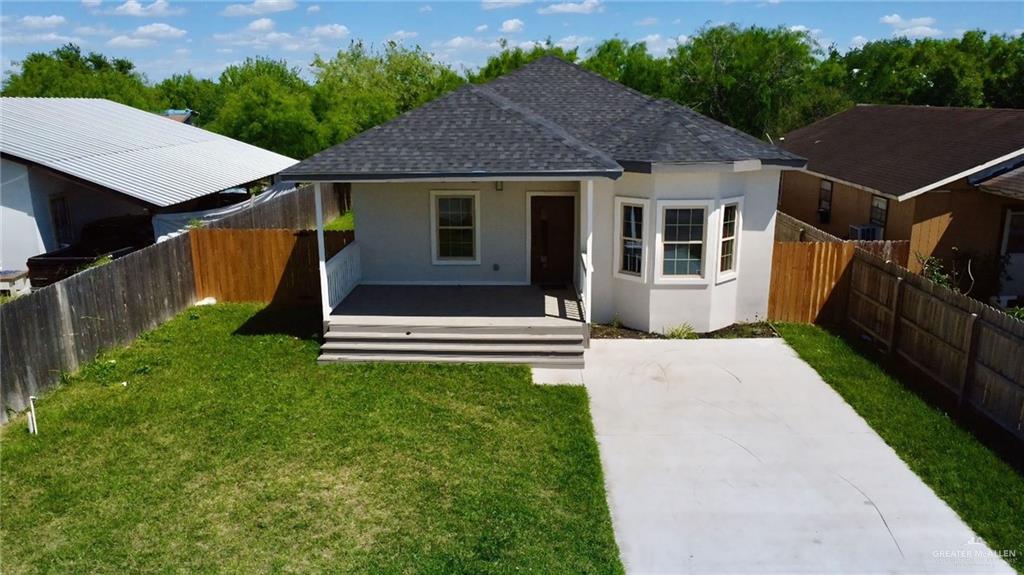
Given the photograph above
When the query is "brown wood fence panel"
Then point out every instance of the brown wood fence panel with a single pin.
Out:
(969, 349)
(296, 210)
(261, 265)
(54, 330)
(808, 281)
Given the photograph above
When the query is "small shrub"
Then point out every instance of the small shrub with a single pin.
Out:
(681, 331)
(195, 223)
(616, 322)
(1016, 312)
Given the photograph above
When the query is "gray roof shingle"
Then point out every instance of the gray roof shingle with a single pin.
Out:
(547, 118)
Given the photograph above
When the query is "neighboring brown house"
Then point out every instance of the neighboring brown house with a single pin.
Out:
(947, 179)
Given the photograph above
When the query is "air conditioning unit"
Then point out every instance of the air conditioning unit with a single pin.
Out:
(868, 232)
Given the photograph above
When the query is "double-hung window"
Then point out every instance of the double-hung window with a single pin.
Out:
(455, 223)
(825, 202)
(630, 227)
(729, 247)
(682, 236)
(879, 210)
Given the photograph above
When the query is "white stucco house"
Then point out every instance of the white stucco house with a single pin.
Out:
(498, 222)
(67, 162)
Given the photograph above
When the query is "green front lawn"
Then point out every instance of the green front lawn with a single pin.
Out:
(216, 444)
(986, 492)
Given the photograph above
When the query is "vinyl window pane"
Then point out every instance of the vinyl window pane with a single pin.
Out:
(456, 235)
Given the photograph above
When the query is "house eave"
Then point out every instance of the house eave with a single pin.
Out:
(451, 176)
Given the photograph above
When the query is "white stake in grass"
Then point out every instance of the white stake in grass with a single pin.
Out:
(32, 427)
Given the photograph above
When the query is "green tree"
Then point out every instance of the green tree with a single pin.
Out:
(186, 91)
(630, 64)
(755, 79)
(267, 104)
(358, 88)
(67, 73)
(510, 59)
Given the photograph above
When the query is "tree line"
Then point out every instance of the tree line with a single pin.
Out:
(764, 81)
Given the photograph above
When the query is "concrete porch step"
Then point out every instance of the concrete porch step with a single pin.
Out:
(571, 362)
(470, 336)
(459, 347)
(459, 329)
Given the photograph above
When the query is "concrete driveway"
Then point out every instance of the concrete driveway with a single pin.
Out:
(733, 456)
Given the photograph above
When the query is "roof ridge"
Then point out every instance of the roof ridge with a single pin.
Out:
(552, 128)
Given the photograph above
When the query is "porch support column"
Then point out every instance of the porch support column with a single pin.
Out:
(325, 300)
(587, 296)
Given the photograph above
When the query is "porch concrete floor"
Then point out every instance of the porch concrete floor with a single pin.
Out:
(459, 305)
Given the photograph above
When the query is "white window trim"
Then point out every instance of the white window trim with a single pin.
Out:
(710, 253)
(434, 195)
(644, 205)
(721, 276)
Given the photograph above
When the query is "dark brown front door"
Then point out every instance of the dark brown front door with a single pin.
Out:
(551, 240)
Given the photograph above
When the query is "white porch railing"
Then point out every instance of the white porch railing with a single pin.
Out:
(583, 285)
(344, 272)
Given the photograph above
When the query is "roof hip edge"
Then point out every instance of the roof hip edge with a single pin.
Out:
(553, 129)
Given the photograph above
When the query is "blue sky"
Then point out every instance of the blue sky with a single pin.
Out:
(167, 36)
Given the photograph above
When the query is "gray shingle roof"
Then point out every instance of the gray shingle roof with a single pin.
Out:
(547, 118)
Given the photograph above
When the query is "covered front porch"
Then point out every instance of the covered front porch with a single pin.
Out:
(517, 293)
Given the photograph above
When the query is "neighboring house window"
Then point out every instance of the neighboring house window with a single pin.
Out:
(630, 227)
(879, 210)
(728, 251)
(825, 202)
(682, 241)
(60, 212)
(455, 219)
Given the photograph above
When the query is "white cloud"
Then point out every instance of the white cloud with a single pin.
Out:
(582, 7)
(481, 28)
(921, 27)
(467, 42)
(40, 38)
(259, 8)
(130, 42)
(261, 25)
(313, 9)
(100, 30)
(135, 8)
(499, 4)
(512, 26)
(400, 35)
(91, 3)
(182, 52)
(158, 30)
(334, 31)
(573, 41)
(858, 41)
(649, 21)
(659, 45)
(36, 22)
(425, 8)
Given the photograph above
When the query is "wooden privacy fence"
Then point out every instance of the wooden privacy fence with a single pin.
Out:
(968, 348)
(273, 266)
(790, 229)
(291, 211)
(58, 328)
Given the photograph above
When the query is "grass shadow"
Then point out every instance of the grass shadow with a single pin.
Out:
(303, 322)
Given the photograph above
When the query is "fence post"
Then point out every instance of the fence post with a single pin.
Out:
(897, 308)
(970, 358)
